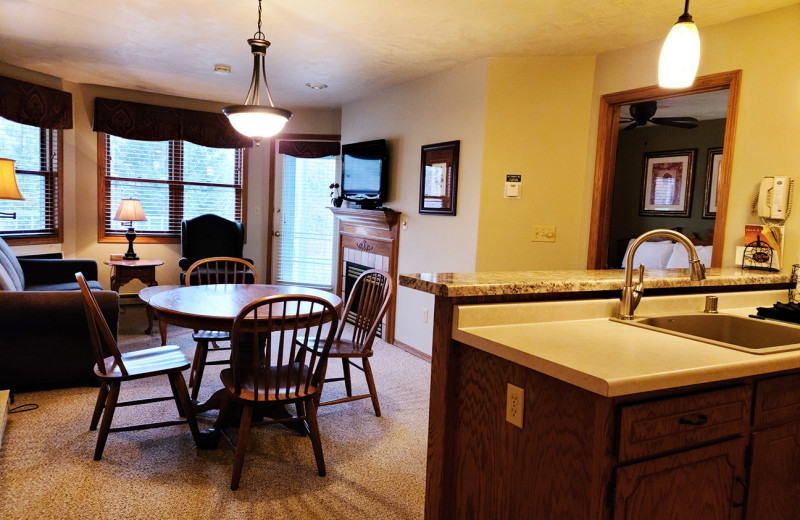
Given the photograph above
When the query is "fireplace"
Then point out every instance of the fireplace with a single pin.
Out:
(352, 271)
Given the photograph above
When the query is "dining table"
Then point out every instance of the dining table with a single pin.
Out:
(215, 307)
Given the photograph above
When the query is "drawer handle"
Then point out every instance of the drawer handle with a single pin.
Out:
(700, 421)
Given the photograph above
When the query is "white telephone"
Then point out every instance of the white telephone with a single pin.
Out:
(774, 201)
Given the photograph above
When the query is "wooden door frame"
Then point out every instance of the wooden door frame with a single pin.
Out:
(605, 160)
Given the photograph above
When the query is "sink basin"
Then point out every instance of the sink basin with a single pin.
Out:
(726, 330)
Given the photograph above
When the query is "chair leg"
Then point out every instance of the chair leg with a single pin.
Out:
(313, 428)
(108, 414)
(176, 396)
(346, 369)
(198, 367)
(241, 445)
(186, 408)
(371, 384)
(98, 407)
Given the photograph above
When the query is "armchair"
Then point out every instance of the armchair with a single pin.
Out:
(209, 236)
(45, 337)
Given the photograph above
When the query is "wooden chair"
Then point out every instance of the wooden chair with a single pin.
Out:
(274, 369)
(117, 368)
(367, 302)
(210, 271)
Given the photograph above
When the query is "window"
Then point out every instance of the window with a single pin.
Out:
(37, 155)
(175, 180)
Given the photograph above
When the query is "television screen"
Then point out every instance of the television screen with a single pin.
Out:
(365, 170)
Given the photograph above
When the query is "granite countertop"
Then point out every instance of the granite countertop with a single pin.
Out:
(528, 282)
(574, 341)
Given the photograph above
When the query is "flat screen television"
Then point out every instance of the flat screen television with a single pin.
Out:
(365, 173)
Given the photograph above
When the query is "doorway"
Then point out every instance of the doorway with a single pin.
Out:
(605, 162)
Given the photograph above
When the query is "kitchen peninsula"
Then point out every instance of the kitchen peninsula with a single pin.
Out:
(618, 422)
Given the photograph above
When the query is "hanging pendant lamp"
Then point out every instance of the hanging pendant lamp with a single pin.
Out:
(680, 54)
(252, 118)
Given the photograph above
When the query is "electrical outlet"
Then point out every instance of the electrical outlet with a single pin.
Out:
(515, 405)
(424, 315)
(543, 234)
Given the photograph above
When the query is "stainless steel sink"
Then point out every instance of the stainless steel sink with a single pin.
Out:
(726, 330)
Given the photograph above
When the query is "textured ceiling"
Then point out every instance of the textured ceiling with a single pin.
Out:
(355, 46)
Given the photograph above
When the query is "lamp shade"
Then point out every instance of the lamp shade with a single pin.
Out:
(680, 56)
(8, 181)
(257, 121)
(130, 210)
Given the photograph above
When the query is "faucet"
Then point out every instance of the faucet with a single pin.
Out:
(632, 294)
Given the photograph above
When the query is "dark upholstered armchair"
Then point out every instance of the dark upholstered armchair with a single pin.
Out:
(44, 334)
(209, 236)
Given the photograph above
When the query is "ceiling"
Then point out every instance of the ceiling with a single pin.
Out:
(356, 47)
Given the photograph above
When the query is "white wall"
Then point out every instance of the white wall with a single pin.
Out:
(447, 106)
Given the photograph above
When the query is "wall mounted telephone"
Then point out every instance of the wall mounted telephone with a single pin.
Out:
(774, 200)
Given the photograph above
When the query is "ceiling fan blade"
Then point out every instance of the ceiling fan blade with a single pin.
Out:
(682, 118)
(632, 125)
(676, 124)
(626, 119)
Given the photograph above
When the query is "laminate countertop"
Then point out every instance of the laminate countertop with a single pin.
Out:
(492, 283)
(575, 341)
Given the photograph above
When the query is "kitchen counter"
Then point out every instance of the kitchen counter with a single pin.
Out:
(492, 283)
(575, 342)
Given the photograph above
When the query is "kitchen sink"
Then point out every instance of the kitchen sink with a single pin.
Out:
(725, 330)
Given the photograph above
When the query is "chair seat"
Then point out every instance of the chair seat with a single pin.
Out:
(146, 363)
(343, 348)
(269, 394)
(211, 335)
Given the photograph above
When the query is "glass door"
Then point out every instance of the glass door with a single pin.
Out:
(304, 231)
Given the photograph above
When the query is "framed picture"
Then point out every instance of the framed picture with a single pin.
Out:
(667, 184)
(712, 179)
(438, 178)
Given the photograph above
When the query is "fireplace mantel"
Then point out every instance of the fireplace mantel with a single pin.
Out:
(370, 238)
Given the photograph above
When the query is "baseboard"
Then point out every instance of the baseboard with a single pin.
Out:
(411, 350)
(4, 399)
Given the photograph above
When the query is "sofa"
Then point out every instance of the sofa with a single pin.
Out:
(44, 335)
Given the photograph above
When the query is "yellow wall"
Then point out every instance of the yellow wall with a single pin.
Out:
(766, 48)
(537, 120)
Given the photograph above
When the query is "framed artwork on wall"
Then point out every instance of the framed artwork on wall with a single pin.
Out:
(667, 183)
(712, 179)
(438, 178)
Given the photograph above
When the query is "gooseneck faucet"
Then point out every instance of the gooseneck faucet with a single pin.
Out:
(632, 294)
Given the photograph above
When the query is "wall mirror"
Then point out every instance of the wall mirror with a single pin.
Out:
(653, 163)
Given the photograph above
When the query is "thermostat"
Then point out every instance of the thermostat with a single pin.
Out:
(513, 188)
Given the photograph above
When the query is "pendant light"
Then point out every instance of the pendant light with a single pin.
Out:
(680, 54)
(252, 118)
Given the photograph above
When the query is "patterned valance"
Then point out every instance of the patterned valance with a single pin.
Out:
(155, 123)
(309, 149)
(35, 105)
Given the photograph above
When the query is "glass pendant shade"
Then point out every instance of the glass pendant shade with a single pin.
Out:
(680, 55)
(257, 121)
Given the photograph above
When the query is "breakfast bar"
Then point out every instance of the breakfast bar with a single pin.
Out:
(617, 421)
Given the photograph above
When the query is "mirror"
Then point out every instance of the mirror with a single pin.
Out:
(611, 111)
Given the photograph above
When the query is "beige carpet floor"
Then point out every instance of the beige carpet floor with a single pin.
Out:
(376, 465)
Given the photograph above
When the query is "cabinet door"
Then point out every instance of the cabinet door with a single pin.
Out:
(775, 474)
(701, 483)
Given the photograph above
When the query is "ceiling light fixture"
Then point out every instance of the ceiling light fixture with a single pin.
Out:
(252, 118)
(680, 54)
(316, 86)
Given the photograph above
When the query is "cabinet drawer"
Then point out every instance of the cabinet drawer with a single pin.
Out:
(135, 272)
(777, 400)
(680, 422)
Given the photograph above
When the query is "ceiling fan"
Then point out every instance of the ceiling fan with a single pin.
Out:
(642, 113)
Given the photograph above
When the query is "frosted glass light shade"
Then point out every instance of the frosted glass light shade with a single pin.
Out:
(130, 210)
(680, 56)
(257, 121)
(8, 181)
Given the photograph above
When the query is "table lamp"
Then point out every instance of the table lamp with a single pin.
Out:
(130, 210)
(8, 185)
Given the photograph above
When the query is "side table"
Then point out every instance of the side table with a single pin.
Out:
(124, 271)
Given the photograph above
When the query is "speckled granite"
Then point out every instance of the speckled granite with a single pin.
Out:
(527, 282)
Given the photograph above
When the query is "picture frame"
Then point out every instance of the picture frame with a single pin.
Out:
(712, 179)
(438, 178)
(667, 183)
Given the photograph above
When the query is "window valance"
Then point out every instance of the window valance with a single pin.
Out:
(309, 149)
(35, 105)
(156, 123)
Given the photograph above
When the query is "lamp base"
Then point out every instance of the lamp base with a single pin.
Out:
(131, 236)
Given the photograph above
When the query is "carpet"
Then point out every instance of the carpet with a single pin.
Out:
(375, 465)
